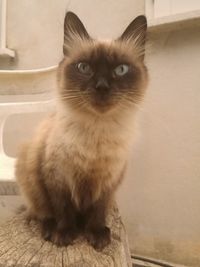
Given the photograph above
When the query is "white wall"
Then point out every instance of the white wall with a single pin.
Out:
(159, 199)
(35, 28)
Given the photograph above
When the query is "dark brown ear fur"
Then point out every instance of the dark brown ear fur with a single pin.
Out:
(136, 32)
(73, 27)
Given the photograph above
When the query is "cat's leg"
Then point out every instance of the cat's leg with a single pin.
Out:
(65, 214)
(97, 233)
(28, 175)
(38, 203)
(92, 207)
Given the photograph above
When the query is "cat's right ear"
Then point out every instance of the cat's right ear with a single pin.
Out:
(136, 33)
(73, 29)
(136, 30)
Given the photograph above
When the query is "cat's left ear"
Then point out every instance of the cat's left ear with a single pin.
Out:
(136, 31)
(73, 28)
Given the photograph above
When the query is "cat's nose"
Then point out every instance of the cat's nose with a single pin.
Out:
(102, 83)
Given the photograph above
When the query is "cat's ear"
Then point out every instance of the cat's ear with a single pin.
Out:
(73, 28)
(136, 31)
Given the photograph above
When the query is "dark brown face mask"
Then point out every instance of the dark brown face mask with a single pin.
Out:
(103, 75)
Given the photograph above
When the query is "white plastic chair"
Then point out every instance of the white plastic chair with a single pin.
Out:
(6, 109)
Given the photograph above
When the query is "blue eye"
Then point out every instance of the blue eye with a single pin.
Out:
(84, 68)
(121, 70)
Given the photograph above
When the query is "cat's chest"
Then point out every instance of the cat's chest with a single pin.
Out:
(91, 158)
(94, 146)
(96, 165)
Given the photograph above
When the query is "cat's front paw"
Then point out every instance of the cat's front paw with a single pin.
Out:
(59, 237)
(58, 233)
(63, 238)
(99, 238)
(48, 227)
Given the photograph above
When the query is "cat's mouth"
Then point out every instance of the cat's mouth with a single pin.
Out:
(103, 103)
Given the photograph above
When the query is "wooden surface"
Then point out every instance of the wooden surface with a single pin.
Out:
(21, 245)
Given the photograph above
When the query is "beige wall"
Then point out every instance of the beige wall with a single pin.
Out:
(35, 32)
(159, 199)
(35, 28)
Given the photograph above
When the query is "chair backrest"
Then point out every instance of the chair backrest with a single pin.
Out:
(7, 109)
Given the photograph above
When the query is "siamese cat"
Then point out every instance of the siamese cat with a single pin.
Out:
(70, 170)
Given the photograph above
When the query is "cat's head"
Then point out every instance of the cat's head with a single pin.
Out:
(102, 77)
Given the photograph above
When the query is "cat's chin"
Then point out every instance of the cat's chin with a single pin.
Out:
(101, 109)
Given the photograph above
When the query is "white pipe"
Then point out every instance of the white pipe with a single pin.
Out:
(31, 71)
(3, 24)
(2, 122)
(149, 9)
(3, 49)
